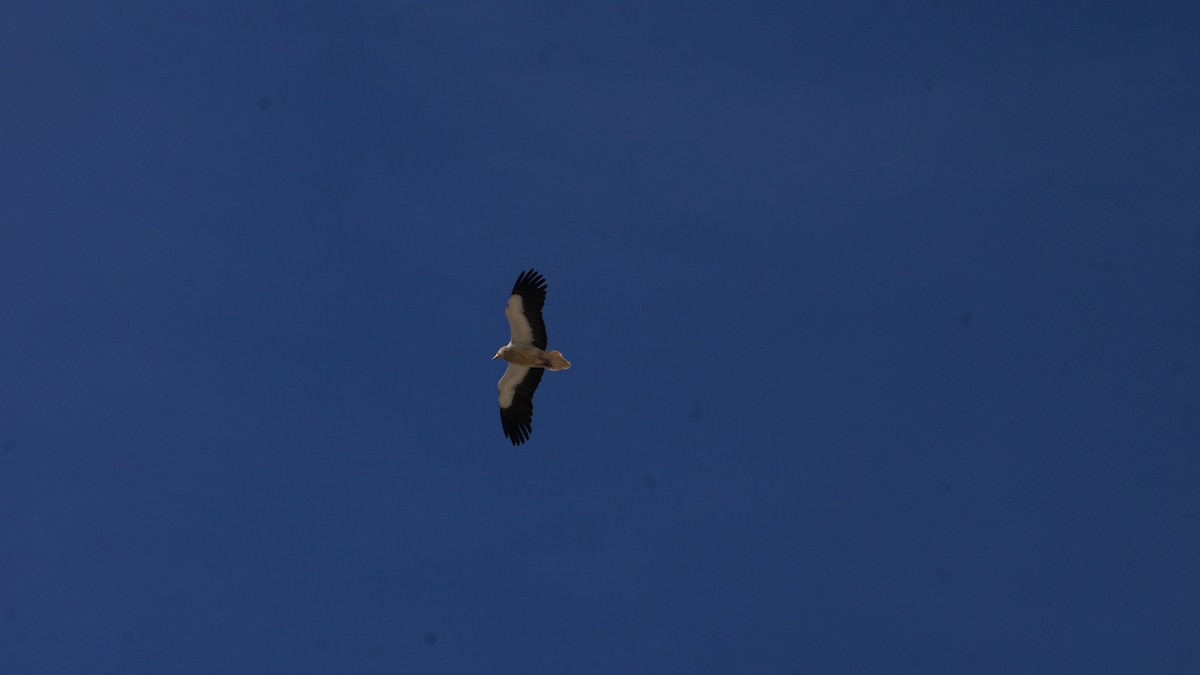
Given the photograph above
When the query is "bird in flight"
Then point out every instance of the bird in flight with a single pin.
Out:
(526, 355)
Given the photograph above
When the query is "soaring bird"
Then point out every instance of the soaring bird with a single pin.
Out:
(526, 355)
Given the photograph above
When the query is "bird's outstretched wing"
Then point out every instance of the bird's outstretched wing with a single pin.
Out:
(516, 401)
(524, 310)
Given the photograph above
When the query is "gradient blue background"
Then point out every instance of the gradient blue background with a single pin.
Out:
(885, 322)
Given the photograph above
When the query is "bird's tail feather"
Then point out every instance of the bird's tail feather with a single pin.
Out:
(555, 361)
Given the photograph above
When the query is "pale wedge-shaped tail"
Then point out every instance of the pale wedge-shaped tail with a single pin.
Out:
(554, 360)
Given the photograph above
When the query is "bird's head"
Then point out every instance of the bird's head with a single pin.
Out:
(500, 352)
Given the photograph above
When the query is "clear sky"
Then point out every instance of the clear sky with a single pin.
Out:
(884, 317)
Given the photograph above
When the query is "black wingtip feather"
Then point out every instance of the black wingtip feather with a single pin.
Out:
(530, 282)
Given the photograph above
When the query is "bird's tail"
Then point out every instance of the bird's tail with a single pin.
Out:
(555, 361)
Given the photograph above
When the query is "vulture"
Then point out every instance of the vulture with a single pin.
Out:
(526, 355)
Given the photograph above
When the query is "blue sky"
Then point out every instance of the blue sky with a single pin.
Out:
(883, 318)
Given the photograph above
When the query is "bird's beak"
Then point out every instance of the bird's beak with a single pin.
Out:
(496, 356)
